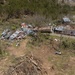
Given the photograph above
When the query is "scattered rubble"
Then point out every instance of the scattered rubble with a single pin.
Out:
(58, 52)
(28, 65)
(5, 32)
(19, 33)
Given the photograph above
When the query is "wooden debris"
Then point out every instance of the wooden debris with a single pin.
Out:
(30, 66)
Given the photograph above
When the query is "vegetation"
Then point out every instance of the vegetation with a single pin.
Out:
(49, 8)
(43, 46)
(2, 48)
(60, 45)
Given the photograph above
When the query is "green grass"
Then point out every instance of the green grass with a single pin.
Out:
(62, 63)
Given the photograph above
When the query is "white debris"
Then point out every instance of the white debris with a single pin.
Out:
(58, 52)
(56, 39)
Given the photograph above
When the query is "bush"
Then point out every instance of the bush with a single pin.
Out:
(68, 44)
(66, 9)
(2, 48)
(14, 27)
(73, 45)
(48, 8)
(39, 39)
(65, 44)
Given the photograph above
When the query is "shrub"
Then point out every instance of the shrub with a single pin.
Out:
(49, 8)
(65, 44)
(14, 27)
(2, 48)
(73, 45)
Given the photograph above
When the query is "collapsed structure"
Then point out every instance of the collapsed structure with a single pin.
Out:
(25, 30)
(19, 33)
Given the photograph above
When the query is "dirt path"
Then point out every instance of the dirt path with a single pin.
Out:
(20, 50)
(66, 36)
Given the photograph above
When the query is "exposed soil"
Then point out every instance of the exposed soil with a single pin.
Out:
(40, 54)
(36, 61)
(29, 66)
(18, 51)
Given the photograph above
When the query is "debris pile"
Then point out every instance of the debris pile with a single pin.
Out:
(19, 33)
(29, 66)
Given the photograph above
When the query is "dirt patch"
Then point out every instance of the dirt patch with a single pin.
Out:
(4, 64)
(72, 60)
(39, 60)
(35, 62)
(43, 52)
(18, 51)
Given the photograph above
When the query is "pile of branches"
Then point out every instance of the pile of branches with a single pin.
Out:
(28, 66)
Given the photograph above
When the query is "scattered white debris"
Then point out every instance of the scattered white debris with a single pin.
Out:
(56, 39)
(58, 52)
(18, 44)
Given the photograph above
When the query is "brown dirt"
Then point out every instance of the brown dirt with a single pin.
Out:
(4, 64)
(20, 50)
(42, 53)
(29, 66)
(13, 51)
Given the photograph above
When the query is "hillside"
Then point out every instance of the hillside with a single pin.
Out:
(34, 39)
(48, 8)
(38, 57)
